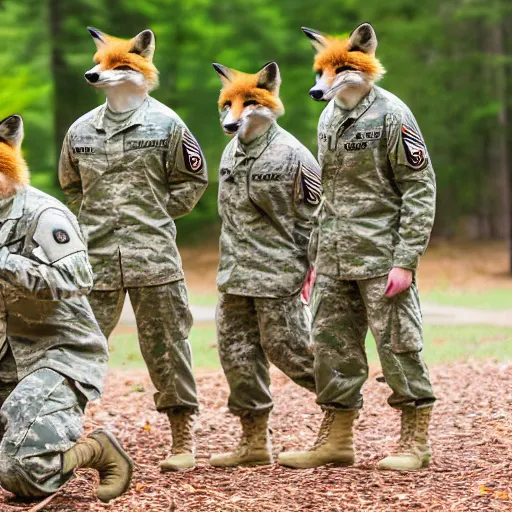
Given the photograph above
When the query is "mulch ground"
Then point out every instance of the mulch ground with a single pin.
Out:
(471, 434)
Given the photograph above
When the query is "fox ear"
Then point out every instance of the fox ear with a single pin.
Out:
(225, 74)
(144, 44)
(98, 37)
(318, 40)
(363, 39)
(11, 130)
(269, 77)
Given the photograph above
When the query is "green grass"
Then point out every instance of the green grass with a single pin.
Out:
(443, 344)
(494, 299)
(202, 300)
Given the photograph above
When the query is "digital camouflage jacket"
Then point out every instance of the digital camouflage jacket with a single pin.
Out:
(127, 186)
(379, 188)
(44, 278)
(268, 193)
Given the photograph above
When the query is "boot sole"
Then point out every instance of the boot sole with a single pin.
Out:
(424, 465)
(243, 464)
(121, 452)
(175, 469)
(333, 464)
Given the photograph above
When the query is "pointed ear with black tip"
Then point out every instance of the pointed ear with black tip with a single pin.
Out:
(269, 77)
(225, 74)
(363, 39)
(11, 130)
(98, 37)
(317, 39)
(144, 44)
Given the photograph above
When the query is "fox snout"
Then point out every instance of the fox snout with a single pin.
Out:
(231, 127)
(316, 93)
(92, 77)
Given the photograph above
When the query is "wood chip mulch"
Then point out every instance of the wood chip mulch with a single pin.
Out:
(471, 435)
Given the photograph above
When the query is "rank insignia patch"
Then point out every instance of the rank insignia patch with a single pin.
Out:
(415, 149)
(191, 153)
(311, 185)
(61, 236)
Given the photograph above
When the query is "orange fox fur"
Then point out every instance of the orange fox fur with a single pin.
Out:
(13, 169)
(117, 53)
(243, 87)
(337, 53)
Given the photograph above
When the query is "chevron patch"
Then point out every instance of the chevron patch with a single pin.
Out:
(415, 149)
(311, 185)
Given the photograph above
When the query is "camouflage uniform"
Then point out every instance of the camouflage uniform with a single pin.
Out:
(379, 188)
(128, 177)
(268, 192)
(54, 356)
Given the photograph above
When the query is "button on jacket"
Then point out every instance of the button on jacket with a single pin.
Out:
(45, 274)
(379, 188)
(269, 190)
(127, 184)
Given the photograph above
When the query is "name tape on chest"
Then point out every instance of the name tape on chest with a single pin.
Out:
(83, 150)
(414, 147)
(191, 153)
(147, 143)
(311, 185)
(269, 176)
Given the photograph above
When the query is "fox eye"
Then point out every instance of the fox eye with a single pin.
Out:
(123, 68)
(227, 104)
(250, 102)
(345, 68)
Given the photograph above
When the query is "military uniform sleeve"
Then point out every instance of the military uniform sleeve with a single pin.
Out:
(58, 267)
(69, 176)
(186, 171)
(308, 197)
(415, 179)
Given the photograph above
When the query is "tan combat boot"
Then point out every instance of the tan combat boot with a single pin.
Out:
(182, 452)
(413, 450)
(100, 450)
(334, 443)
(254, 448)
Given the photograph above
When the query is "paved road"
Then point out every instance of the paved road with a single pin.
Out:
(432, 314)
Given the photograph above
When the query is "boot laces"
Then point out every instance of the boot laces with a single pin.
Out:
(182, 435)
(325, 428)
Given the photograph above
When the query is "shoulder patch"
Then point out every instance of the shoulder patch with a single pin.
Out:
(310, 184)
(56, 236)
(192, 154)
(414, 147)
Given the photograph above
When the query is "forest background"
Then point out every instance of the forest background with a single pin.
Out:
(449, 60)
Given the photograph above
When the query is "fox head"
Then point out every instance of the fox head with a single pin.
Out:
(123, 61)
(13, 168)
(342, 64)
(249, 103)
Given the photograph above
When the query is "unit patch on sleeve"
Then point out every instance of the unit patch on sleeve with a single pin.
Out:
(414, 147)
(191, 153)
(61, 236)
(311, 185)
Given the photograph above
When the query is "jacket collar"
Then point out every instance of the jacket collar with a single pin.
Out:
(137, 118)
(358, 110)
(18, 205)
(257, 146)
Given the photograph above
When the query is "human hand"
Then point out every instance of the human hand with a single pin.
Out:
(399, 279)
(308, 285)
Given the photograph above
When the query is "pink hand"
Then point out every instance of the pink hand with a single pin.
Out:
(399, 280)
(308, 285)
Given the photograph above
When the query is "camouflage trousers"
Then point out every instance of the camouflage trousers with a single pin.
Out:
(342, 312)
(163, 326)
(251, 332)
(39, 421)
